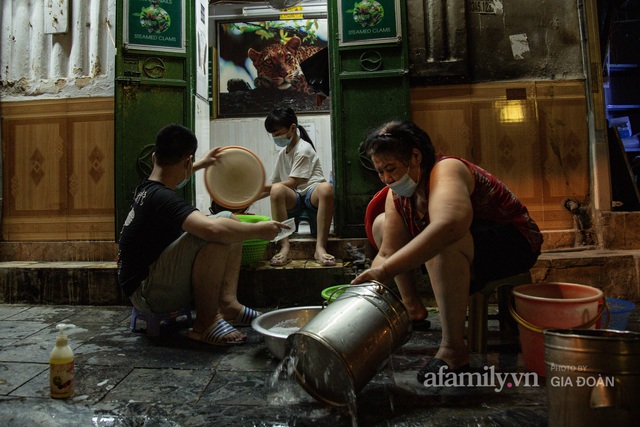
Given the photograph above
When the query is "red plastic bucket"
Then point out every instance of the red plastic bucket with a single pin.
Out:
(552, 305)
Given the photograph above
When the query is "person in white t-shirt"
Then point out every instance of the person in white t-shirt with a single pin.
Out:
(297, 183)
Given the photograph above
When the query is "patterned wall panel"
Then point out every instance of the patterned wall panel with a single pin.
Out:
(35, 167)
(58, 170)
(531, 135)
(445, 113)
(505, 131)
(563, 136)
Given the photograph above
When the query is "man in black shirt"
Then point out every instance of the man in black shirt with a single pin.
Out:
(171, 254)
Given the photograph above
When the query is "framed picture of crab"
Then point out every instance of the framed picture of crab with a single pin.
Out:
(258, 65)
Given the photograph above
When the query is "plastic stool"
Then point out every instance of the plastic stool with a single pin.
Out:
(155, 320)
(477, 328)
(309, 216)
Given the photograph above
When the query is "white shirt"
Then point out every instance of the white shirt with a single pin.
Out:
(301, 162)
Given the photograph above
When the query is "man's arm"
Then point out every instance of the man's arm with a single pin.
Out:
(207, 160)
(229, 230)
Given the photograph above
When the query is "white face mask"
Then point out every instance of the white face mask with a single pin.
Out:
(404, 187)
(184, 181)
(282, 140)
(182, 184)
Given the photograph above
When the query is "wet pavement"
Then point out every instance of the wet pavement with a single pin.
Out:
(129, 379)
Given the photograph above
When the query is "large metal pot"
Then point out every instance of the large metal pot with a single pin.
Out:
(345, 345)
(593, 377)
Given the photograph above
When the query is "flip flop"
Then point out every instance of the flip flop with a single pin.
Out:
(279, 260)
(421, 325)
(214, 334)
(245, 317)
(434, 366)
(327, 260)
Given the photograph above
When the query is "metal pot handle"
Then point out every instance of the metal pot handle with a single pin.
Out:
(326, 302)
(379, 289)
(602, 396)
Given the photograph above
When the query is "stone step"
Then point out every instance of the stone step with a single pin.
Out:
(95, 283)
(616, 272)
(83, 282)
(68, 282)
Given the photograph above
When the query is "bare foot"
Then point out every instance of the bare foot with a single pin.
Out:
(454, 358)
(320, 252)
(418, 313)
(323, 258)
(282, 256)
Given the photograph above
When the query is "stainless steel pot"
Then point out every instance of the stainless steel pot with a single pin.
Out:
(593, 377)
(345, 345)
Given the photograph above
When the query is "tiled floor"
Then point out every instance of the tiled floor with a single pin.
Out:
(129, 379)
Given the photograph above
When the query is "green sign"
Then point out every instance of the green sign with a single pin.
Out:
(369, 21)
(154, 24)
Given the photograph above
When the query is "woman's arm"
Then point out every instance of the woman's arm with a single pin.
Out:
(292, 183)
(266, 190)
(450, 215)
(395, 234)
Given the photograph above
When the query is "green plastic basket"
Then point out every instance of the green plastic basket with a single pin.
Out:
(253, 250)
(331, 293)
(253, 218)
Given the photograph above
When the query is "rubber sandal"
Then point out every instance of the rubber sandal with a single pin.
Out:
(421, 325)
(215, 333)
(327, 260)
(245, 317)
(434, 366)
(279, 260)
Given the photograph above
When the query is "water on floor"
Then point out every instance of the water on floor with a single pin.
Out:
(125, 379)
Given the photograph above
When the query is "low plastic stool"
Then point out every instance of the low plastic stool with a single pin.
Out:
(309, 216)
(477, 325)
(155, 320)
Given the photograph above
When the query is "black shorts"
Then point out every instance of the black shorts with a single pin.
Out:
(500, 251)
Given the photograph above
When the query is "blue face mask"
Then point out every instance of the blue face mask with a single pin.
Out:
(281, 140)
(404, 187)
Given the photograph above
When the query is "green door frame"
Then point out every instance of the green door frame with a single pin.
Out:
(154, 86)
(369, 86)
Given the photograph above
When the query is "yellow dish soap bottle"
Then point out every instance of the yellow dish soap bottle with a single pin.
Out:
(61, 366)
